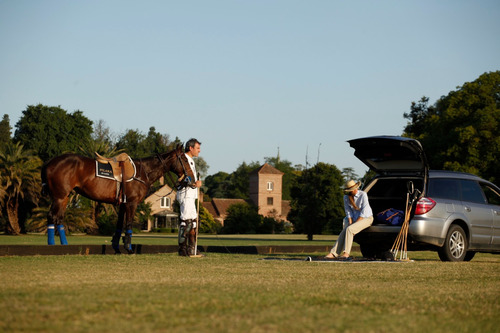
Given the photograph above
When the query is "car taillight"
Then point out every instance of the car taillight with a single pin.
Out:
(424, 205)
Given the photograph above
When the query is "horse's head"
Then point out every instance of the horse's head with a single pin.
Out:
(178, 163)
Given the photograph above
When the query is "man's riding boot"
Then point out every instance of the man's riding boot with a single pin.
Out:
(192, 241)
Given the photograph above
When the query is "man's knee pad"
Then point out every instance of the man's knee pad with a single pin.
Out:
(182, 232)
(184, 229)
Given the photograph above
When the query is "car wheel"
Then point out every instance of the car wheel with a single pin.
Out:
(455, 245)
(469, 255)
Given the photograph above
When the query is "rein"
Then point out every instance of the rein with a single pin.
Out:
(182, 177)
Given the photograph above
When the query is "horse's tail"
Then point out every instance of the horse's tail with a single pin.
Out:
(45, 187)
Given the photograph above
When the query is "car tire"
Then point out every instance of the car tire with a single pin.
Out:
(469, 255)
(455, 245)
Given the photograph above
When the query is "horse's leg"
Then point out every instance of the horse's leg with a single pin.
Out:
(115, 241)
(55, 218)
(130, 209)
(62, 234)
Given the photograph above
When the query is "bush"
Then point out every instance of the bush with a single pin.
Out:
(241, 219)
(106, 224)
(208, 224)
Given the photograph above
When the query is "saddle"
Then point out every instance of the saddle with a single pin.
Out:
(123, 169)
(122, 165)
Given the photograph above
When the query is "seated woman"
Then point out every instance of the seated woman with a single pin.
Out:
(359, 216)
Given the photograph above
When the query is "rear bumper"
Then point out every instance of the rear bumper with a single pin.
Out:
(427, 232)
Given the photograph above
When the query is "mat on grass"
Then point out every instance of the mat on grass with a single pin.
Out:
(341, 261)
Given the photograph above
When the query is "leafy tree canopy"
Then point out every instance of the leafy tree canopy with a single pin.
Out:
(217, 185)
(242, 219)
(5, 132)
(51, 131)
(317, 200)
(460, 131)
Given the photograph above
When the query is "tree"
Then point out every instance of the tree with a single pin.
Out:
(20, 183)
(102, 133)
(5, 132)
(242, 219)
(218, 185)
(239, 186)
(156, 143)
(349, 173)
(460, 131)
(51, 131)
(317, 200)
(131, 143)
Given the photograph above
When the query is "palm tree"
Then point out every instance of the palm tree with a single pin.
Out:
(20, 183)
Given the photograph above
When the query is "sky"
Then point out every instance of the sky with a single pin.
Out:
(248, 79)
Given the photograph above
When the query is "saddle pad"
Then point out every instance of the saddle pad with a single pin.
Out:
(104, 170)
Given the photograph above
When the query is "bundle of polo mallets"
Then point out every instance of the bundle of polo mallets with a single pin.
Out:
(401, 244)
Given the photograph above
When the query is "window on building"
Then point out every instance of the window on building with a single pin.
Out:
(270, 201)
(270, 186)
(165, 202)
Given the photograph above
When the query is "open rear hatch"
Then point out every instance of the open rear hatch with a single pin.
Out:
(391, 155)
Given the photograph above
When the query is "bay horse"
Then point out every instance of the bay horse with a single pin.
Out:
(63, 174)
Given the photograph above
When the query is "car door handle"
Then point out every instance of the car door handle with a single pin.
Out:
(497, 212)
(467, 208)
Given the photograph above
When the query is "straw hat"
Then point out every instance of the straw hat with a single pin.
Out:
(351, 185)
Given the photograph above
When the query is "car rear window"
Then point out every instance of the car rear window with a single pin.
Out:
(444, 188)
(456, 189)
(471, 192)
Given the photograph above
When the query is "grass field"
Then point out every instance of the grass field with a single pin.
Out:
(241, 293)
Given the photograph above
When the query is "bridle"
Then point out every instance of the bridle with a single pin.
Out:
(184, 180)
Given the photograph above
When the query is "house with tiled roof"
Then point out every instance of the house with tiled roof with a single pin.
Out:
(218, 207)
(162, 209)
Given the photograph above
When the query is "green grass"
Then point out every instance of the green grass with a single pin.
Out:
(240, 293)
(171, 239)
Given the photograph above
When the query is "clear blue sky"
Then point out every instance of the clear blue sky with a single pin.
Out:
(245, 77)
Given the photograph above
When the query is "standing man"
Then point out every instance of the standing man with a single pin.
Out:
(187, 200)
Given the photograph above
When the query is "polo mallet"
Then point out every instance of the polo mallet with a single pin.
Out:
(401, 242)
(196, 255)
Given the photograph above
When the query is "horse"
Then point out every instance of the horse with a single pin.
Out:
(65, 173)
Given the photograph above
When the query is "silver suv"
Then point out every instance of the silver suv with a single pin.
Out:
(456, 214)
